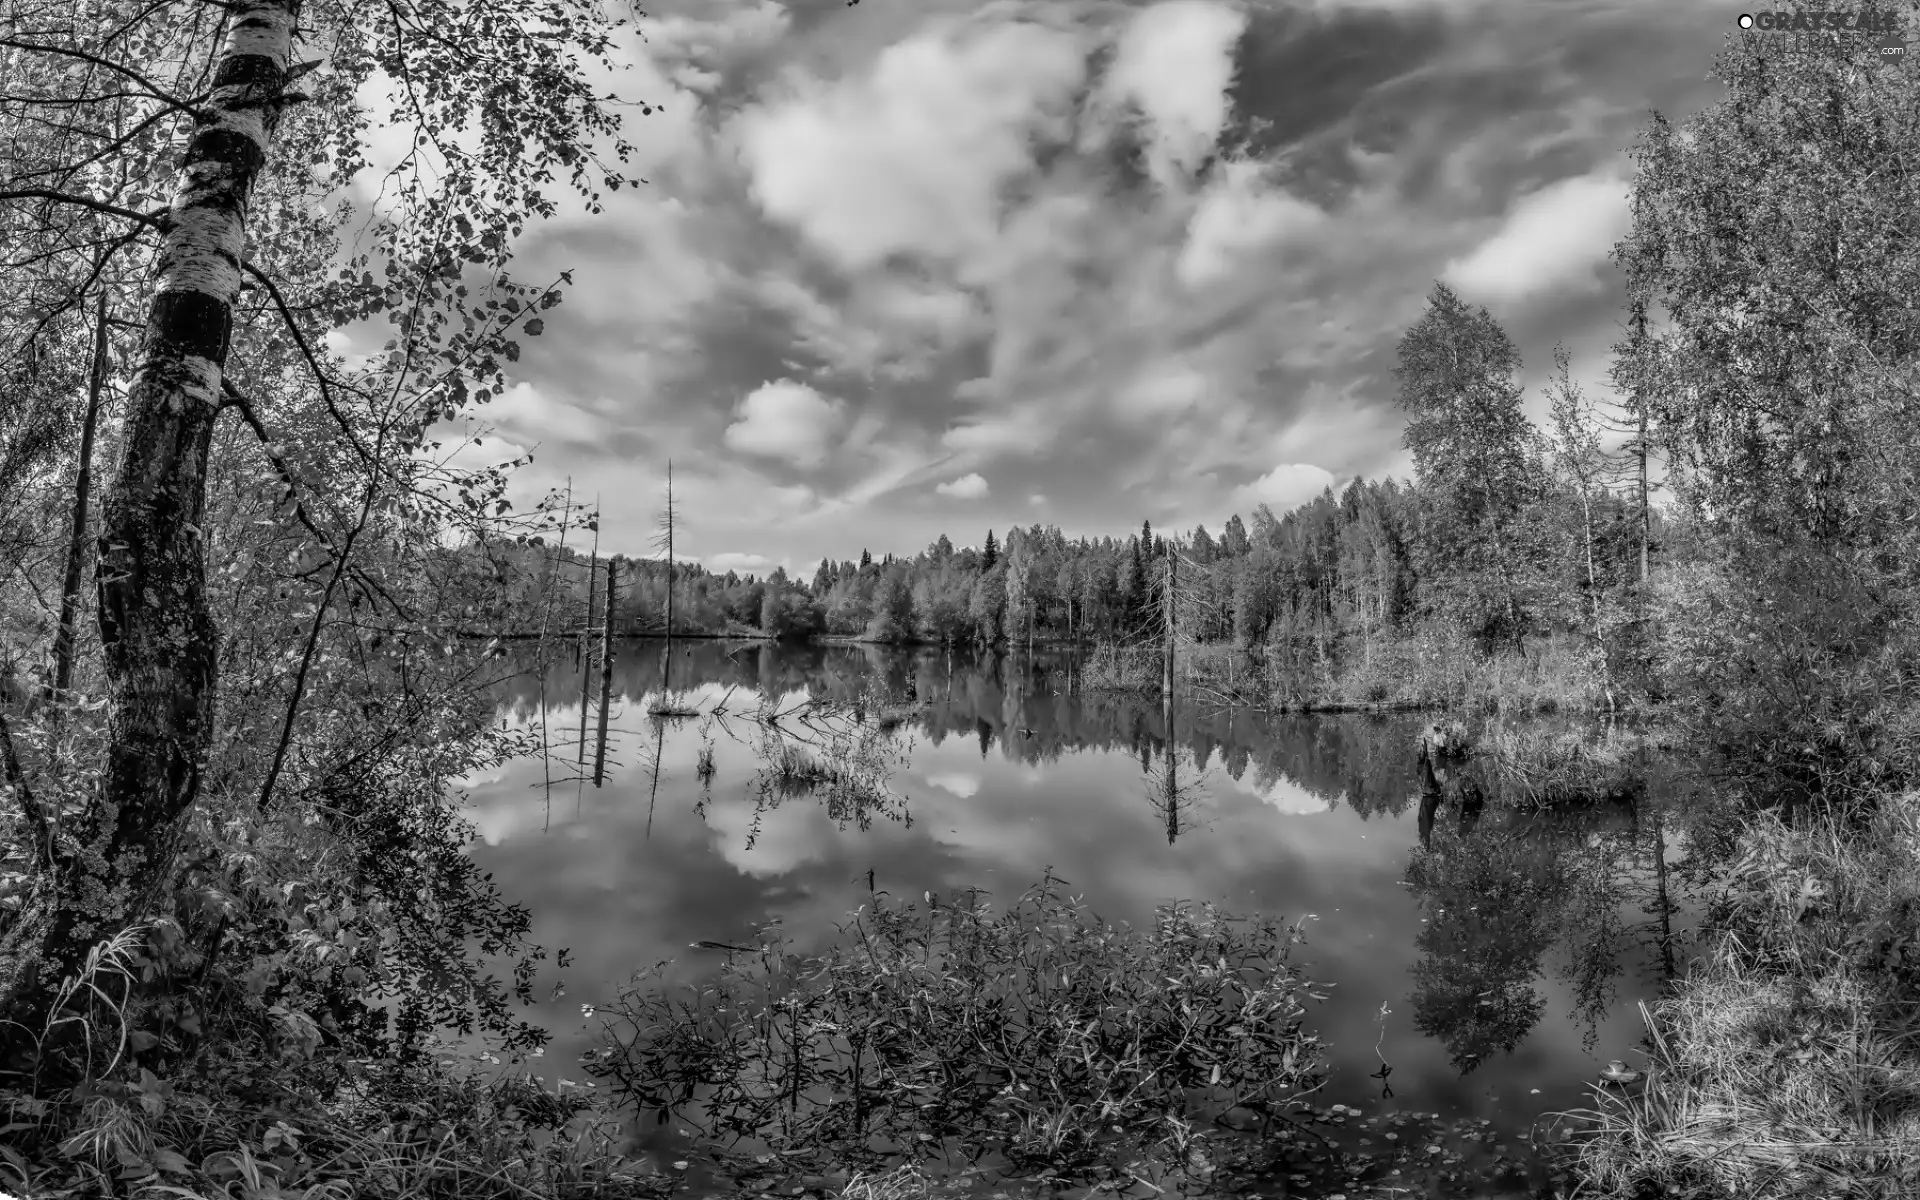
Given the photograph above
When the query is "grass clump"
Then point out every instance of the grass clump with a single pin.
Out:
(1115, 668)
(1038, 1039)
(904, 1182)
(1766, 1085)
(1532, 766)
(1789, 1063)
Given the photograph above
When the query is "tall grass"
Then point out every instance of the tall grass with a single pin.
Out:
(1427, 668)
(1531, 766)
(1788, 1064)
(1112, 668)
(1434, 669)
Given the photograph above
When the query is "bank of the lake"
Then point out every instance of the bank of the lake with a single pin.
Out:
(1421, 671)
(1784, 1063)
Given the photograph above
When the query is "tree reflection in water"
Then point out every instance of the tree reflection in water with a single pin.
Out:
(1499, 895)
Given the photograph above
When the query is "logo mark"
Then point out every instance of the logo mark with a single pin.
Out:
(1809, 22)
(1890, 46)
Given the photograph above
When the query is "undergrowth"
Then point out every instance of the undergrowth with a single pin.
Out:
(1040, 1037)
(271, 1030)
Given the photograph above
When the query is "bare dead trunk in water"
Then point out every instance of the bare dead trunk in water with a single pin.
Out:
(156, 629)
(586, 642)
(1171, 784)
(666, 660)
(1166, 677)
(606, 675)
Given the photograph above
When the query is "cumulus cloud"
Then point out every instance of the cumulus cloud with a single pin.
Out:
(696, 53)
(1238, 216)
(1161, 392)
(1174, 64)
(967, 487)
(1288, 485)
(877, 326)
(745, 564)
(959, 783)
(527, 414)
(785, 420)
(1552, 239)
(912, 156)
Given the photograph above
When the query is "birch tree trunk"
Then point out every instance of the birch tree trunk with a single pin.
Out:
(156, 629)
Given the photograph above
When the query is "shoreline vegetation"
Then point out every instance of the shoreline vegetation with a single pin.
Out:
(240, 932)
(1554, 676)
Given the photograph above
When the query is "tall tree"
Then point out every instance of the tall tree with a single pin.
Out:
(1020, 616)
(1778, 232)
(1780, 377)
(78, 542)
(1582, 465)
(1233, 540)
(1474, 457)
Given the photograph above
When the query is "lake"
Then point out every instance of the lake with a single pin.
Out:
(1494, 976)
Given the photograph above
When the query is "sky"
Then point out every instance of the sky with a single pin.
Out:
(917, 267)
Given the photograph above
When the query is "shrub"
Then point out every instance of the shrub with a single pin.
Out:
(1040, 1036)
(1797, 679)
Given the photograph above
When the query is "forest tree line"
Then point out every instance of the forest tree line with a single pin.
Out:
(1508, 532)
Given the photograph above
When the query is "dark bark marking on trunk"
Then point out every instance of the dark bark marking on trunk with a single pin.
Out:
(192, 323)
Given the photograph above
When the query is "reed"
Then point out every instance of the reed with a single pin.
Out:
(1531, 766)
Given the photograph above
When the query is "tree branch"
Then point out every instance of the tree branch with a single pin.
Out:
(237, 399)
(146, 84)
(313, 361)
(76, 295)
(155, 220)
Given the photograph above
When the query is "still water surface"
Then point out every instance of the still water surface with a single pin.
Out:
(1508, 960)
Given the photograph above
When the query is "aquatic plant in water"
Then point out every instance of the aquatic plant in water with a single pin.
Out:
(1040, 1038)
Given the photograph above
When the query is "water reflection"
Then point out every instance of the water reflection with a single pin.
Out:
(1499, 896)
(1517, 944)
(1018, 706)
